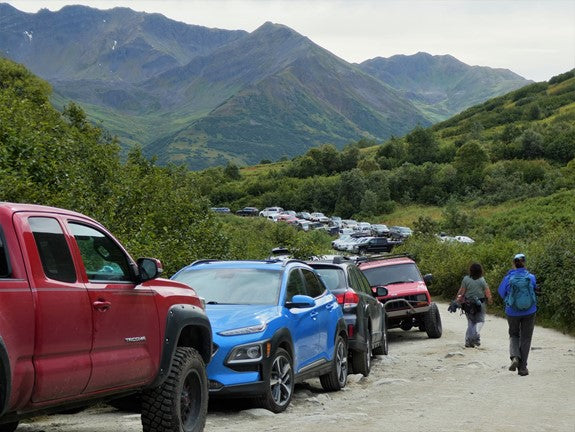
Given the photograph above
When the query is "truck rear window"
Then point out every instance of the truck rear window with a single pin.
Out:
(5, 271)
(53, 249)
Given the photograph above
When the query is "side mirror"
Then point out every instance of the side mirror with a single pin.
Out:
(428, 278)
(149, 268)
(300, 302)
(381, 291)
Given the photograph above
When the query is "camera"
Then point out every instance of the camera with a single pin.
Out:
(453, 306)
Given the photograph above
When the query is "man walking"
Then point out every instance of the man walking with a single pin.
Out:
(518, 289)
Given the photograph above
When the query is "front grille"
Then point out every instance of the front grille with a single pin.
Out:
(397, 303)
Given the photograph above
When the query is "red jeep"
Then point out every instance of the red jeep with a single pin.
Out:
(81, 321)
(407, 302)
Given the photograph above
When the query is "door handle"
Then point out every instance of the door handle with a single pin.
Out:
(102, 305)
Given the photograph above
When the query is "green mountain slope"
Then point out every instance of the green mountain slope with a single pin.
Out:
(442, 85)
(203, 97)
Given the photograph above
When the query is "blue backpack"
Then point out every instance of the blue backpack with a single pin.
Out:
(521, 292)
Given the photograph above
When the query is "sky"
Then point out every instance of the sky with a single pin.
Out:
(533, 38)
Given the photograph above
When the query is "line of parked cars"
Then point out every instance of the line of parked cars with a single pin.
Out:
(280, 321)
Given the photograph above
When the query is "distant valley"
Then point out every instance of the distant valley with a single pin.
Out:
(201, 97)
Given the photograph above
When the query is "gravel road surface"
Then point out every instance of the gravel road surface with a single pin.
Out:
(432, 385)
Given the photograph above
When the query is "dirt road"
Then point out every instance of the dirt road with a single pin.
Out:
(423, 384)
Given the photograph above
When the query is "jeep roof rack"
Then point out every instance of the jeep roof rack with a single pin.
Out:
(382, 257)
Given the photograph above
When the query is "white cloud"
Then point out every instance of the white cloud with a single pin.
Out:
(533, 38)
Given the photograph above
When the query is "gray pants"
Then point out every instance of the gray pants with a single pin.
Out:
(475, 323)
(520, 334)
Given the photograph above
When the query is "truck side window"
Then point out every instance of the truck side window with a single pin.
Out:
(5, 270)
(53, 249)
(103, 259)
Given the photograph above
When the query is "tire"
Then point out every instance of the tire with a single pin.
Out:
(383, 349)
(361, 360)
(279, 383)
(432, 321)
(336, 379)
(406, 324)
(180, 404)
(8, 427)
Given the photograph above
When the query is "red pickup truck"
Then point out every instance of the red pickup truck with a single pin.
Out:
(82, 322)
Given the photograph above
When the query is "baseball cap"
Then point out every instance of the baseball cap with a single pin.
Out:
(519, 256)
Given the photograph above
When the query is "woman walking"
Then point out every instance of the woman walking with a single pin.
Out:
(472, 295)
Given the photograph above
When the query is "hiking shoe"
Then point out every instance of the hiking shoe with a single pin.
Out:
(469, 345)
(523, 372)
(514, 364)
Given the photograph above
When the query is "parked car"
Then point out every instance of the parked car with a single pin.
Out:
(348, 223)
(363, 313)
(319, 217)
(399, 232)
(275, 324)
(271, 211)
(363, 227)
(224, 210)
(374, 245)
(380, 230)
(408, 302)
(248, 211)
(303, 215)
(82, 322)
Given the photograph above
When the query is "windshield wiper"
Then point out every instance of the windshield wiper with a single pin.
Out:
(399, 282)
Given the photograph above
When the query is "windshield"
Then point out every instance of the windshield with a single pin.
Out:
(333, 278)
(386, 275)
(234, 286)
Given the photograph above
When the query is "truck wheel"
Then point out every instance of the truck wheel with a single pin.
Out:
(180, 404)
(361, 360)
(8, 427)
(279, 383)
(432, 321)
(336, 379)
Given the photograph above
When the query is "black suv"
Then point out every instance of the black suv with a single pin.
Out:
(375, 245)
(364, 315)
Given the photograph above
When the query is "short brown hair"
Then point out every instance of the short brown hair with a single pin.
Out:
(475, 270)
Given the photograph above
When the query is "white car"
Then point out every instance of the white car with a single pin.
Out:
(271, 211)
(319, 217)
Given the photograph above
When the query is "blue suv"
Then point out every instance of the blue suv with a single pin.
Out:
(275, 324)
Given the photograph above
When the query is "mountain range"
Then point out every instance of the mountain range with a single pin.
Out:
(199, 96)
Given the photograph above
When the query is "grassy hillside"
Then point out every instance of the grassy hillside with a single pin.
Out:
(513, 191)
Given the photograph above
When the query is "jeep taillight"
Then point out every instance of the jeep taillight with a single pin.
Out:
(348, 300)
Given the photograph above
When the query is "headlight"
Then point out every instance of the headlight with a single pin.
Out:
(246, 354)
(244, 330)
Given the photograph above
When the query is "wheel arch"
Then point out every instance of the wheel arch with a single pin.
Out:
(5, 378)
(186, 326)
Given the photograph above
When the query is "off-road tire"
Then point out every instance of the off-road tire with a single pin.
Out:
(432, 321)
(336, 379)
(8, 427)
(280, 383)
(361, 360)
(180, 404)
(383, 349)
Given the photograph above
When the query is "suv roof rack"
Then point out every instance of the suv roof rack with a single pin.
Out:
(292, 260)
(203, 261)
